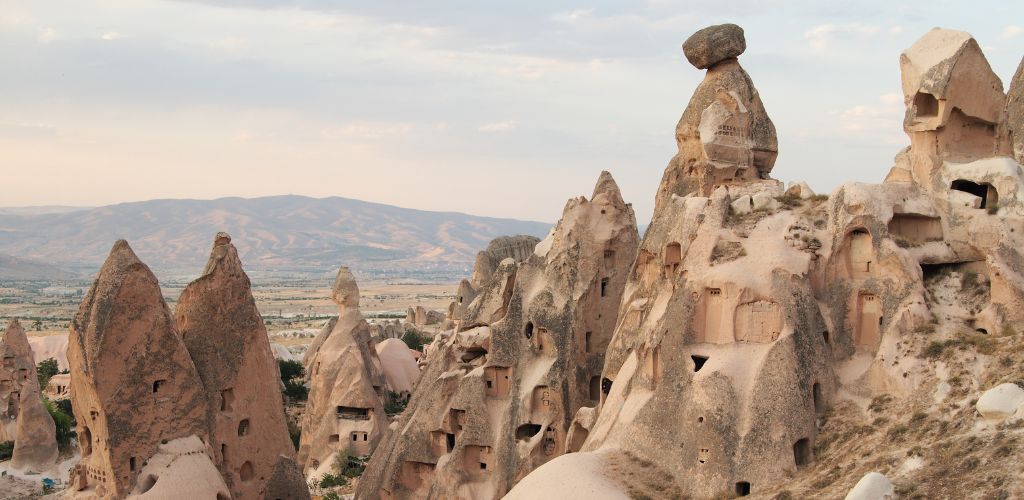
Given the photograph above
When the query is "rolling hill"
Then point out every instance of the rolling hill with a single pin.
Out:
(276, 234)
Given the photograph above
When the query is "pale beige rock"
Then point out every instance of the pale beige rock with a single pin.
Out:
(227, 341)
(17, 371)
(35, 443)
(133, 384)
(496, 395)
(488, 261)
(724, 137)
(344, 411)
(398, 364)
(180, 468)
(1012, 123)
(59, 387)
(737, 333)
(50, 346)
(954, 99)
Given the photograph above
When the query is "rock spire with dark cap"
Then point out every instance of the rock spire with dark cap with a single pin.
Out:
(714, 44)
(725, 136)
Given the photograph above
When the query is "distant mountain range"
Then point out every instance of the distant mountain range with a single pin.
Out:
(276, 235)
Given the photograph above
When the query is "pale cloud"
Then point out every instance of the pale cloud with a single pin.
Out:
(878, 122)
(820, 37)
(891, 98)
(111, 35)
(1011, 31)
(46, 35)
(228, 45)
(573, 16)
(499, 126)
(369, 131)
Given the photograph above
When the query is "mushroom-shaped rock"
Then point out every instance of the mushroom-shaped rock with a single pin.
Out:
(873, 486)
(714, 44)
(725, 136)
(1001, 402)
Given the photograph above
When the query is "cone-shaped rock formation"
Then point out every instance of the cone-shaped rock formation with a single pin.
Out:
(218, 321)
(133, 384)
(35, 443)
(344, 411)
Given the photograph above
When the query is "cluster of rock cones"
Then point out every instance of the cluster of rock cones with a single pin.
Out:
(737, 348)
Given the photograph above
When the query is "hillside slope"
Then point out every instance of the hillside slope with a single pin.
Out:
(277, 233)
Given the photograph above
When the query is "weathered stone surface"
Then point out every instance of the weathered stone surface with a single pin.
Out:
(398, 364)
(224, 333)
(133, 383)
(740, 327)
(344, 411)
(497, 394)
(17, 370)
(714, 44)
(873, 486)
(1012, 123)
(1001, 402)
(35, 443)
(954, 99)
(724, 137)
(281, 485)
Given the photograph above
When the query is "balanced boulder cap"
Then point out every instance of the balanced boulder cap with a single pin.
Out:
(714, 44)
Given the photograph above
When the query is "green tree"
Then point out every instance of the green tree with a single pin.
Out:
(290, 370)
(6, 450)
(395, 403)
(293, 375)
(46, 369)
(65, 424)
(413, 340)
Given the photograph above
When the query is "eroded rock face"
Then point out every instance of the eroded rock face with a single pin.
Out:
(497, 394)
(224, 333)
(344, 411)
(954, 99)
(725, 137)
(488, 261)
(738, 326)
(133, 383)
(34, 433)
(1013, 116)
(714, 44)
(17, 371)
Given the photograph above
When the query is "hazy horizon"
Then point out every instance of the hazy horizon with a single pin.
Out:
(491, 110)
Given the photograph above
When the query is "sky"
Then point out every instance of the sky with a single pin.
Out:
(502, 109)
